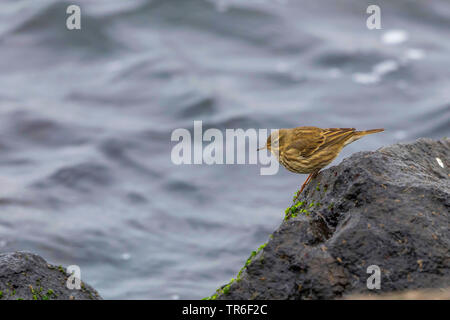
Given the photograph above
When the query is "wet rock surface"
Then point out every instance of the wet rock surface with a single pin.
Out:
(26, 276)
(388, 208)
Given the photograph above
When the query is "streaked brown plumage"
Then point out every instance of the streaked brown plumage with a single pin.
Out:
(309, 149)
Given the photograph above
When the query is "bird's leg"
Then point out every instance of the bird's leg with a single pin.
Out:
(303, 186)
(312, 175)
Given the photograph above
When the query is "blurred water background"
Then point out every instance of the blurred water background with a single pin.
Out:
(86, 119)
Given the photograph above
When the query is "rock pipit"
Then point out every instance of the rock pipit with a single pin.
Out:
(309, 149)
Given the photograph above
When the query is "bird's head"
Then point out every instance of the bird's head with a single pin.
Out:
(272, 143)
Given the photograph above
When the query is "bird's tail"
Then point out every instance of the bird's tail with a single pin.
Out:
(366, 132)
(359, 134)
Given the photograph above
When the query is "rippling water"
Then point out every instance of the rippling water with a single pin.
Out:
(86, 119)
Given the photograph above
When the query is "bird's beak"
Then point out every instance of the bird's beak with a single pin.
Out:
(261, 148)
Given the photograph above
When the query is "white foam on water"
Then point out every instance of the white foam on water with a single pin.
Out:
(385, 67)
(415, 54)
(394, 37)
(365, 78)
(126, 256)
(378, 71)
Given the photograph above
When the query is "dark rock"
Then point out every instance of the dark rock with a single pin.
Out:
(27, 276)
(388, 208)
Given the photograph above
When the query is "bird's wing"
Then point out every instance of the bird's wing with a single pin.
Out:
(305, 141)
(309, 140)
(335, 136)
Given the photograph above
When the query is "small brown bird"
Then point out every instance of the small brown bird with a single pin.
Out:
(309, 149)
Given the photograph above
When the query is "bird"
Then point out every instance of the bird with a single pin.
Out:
(306, 150)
